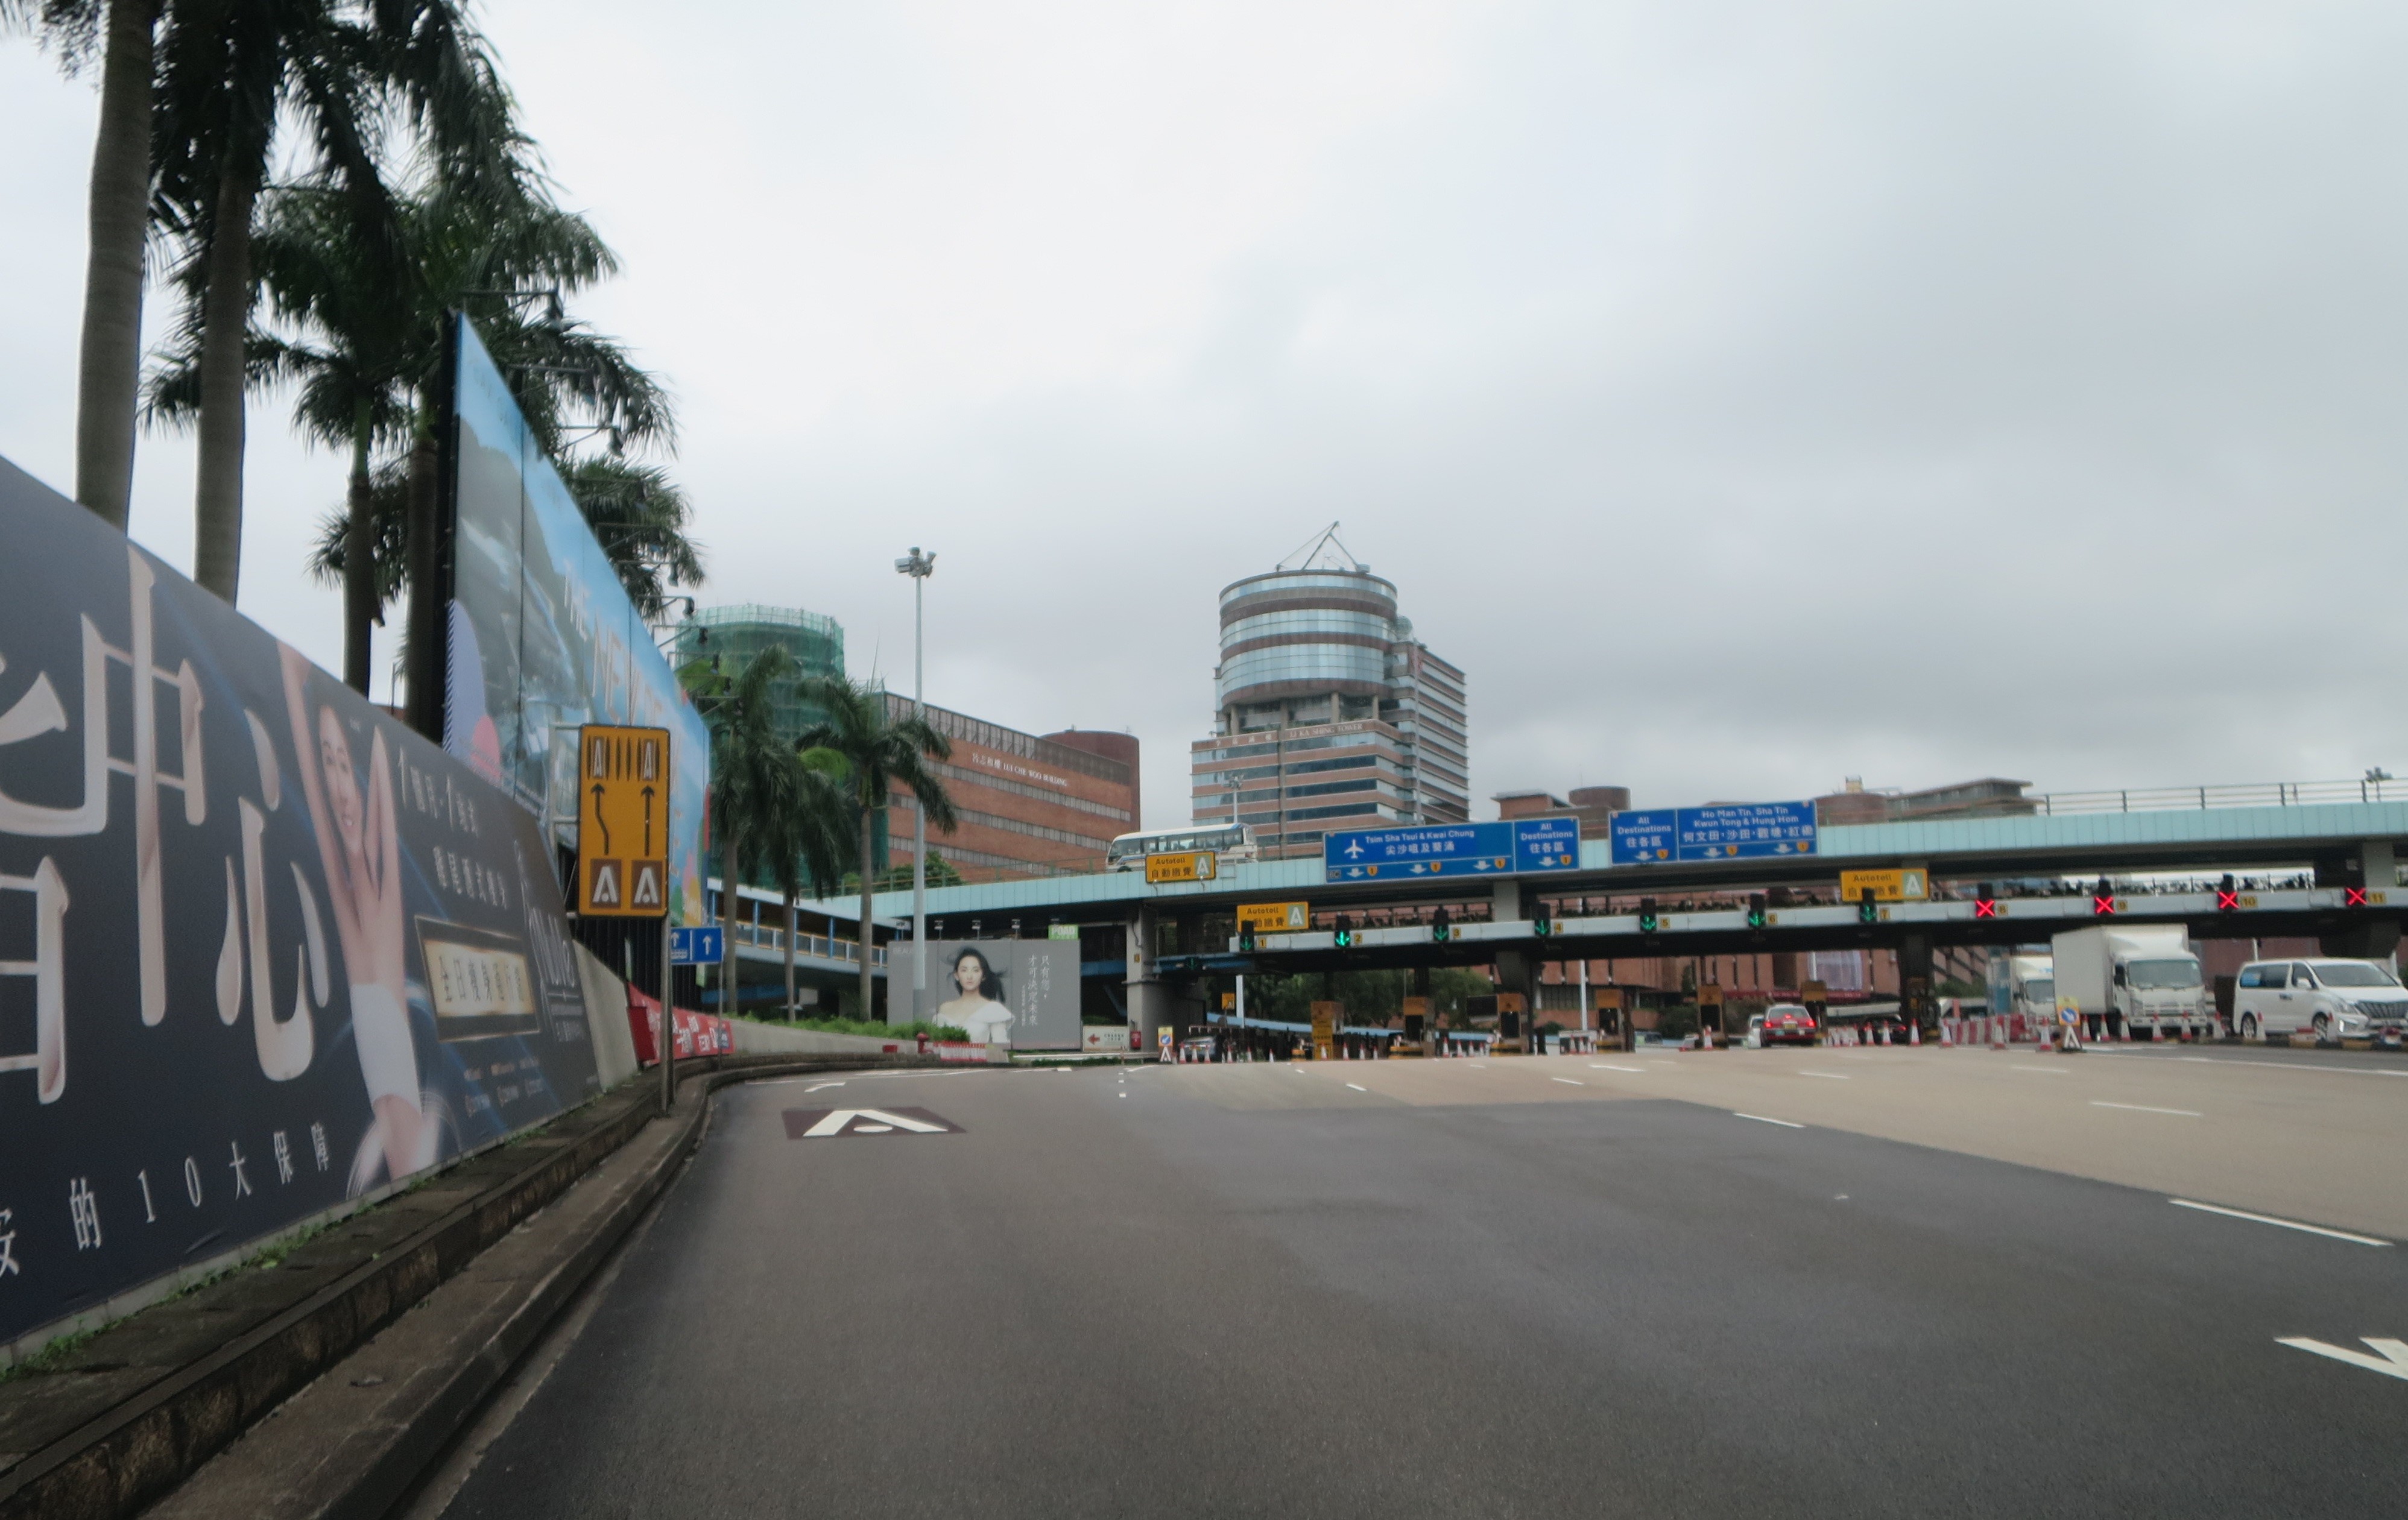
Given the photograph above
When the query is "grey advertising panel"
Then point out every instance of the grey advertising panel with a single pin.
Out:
(541, 633)
(1021, 992)
(261, 949)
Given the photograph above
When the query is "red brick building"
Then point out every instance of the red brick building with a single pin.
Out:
(1028, 804)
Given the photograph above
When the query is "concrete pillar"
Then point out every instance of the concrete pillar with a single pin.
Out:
(1914, 977)
(1149, 1000)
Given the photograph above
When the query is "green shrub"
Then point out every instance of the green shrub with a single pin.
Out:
(943, 1032)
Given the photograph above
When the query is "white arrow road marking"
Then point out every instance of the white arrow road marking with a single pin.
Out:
(878, 1122)
(2392, 1363)
(2270, 1219)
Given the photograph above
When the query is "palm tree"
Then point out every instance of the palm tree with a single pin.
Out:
(118, 212)
(880, 752)
(348, 72)
(810, 840)
(366, 350)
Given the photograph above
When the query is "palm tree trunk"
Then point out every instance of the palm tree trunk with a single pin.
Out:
(422, 626)
(790, 954)
(110, 365)
(868, 886)
(225, 323)
(359, 569)
(731, 877)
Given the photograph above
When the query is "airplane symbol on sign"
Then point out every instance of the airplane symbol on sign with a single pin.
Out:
(1354, 850)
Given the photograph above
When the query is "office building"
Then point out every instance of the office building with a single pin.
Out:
(1330, 713)
(1026, 804)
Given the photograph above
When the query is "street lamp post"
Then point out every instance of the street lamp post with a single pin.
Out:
(919, 567)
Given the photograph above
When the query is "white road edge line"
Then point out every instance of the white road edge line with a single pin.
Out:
(1762, 1119)
(1599, 1066)
(2270, 1219)
(1567, 1082)
(2143, 1108)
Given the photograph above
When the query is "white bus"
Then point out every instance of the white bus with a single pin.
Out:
(1230, 842)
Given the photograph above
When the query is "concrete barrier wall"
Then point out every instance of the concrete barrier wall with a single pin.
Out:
(775, 1040)
(606, 1015)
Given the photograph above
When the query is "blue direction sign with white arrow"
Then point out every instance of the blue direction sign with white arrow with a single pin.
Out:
(703, 945)
(1726, 831)
(1508, 848)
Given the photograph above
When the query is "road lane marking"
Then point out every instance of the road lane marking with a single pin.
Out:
(2044, 1070)
(1599, 1065)
(837, 1124)
(1567, 1082)
(2294, 1066)
(1762, 1119)
(2270, 1219)
(823, 1086)
(1834, 1076)
(2391, 1363)
(1358, 1086)
(2143, 1108)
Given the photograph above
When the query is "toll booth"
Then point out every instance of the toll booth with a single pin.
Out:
(1417, 1027)
(1710, 1016)
(1612, 1020)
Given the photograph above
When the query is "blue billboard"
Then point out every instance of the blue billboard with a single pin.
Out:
(542, 635)
(1726, 831)
(1493, 849)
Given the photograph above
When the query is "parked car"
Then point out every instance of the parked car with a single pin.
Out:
(2332, 999)
(1786, 1023)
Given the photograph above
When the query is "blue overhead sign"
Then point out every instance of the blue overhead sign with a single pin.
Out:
(1496, 849)
(1728, 831)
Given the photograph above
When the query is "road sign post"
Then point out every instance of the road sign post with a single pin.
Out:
(622, 849)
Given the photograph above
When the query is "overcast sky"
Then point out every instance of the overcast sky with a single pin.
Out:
(1746, 394)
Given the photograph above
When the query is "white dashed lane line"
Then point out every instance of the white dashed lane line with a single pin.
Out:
(1762, 1119)
(1834, 1076)
(2143, 1108)
(1599, 1065)
(1567, 1082)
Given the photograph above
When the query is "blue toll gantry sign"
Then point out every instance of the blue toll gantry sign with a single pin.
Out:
(1726, 831)
(704, 945)
(1493, 849)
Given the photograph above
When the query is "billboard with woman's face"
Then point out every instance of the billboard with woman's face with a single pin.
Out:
(1019, 993)
(263, 949)
(541, 635)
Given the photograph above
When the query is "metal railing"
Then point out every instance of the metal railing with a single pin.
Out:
(2264, 795)
(770, 937)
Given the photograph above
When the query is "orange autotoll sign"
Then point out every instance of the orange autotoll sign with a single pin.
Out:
(623, 820)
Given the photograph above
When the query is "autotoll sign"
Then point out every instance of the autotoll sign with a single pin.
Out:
(1275, 917)
(1725, 831)
(623, 822)
(1505, 847)
(1182, 865)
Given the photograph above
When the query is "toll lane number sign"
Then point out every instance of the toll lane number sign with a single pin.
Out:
(846, 1123)
(623, 820)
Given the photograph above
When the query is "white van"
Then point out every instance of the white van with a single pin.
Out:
(2332, 999)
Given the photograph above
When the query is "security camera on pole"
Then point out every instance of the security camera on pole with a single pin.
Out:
(919, 568)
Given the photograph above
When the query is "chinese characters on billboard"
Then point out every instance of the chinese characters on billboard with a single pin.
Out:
(262, 950)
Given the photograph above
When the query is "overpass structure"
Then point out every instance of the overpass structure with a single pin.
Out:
(2339, 842)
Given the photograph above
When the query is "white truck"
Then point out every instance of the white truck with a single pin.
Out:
(2140, 981)
(2022, 982)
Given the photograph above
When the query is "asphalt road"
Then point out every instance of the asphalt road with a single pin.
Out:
(1504, 1288)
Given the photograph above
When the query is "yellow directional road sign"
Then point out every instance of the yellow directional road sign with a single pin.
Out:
(1893, 885)
(623, 822)
(1275, 917)
(1182, 865)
